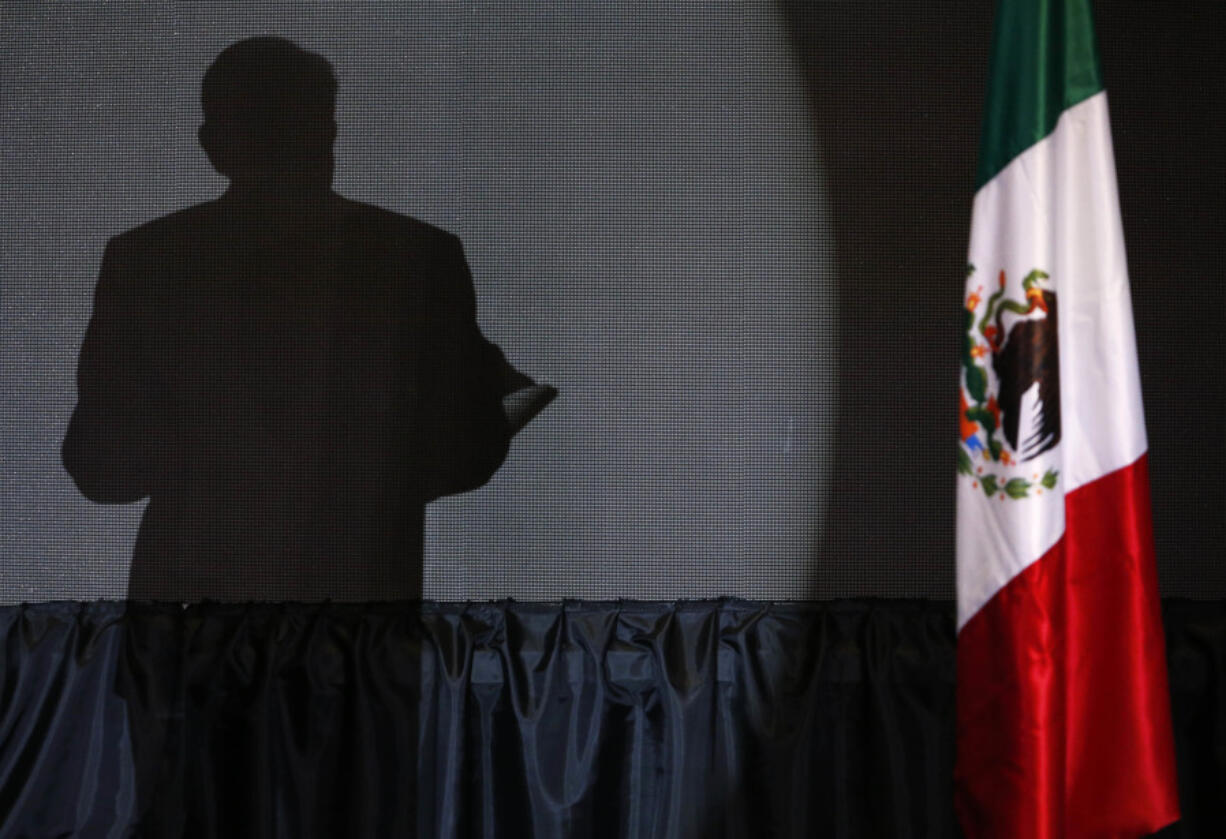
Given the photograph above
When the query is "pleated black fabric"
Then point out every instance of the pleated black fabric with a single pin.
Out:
(690, 719)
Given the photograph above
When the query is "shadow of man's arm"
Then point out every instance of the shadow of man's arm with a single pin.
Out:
(107, 447)
(464, 431)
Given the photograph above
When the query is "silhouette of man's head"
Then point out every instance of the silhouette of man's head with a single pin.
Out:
(269, 109)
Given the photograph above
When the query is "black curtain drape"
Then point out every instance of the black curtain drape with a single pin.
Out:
(578, 719)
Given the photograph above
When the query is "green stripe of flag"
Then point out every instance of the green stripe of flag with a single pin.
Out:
(1044, 61)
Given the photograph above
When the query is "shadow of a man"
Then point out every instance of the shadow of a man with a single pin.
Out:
(288, 375)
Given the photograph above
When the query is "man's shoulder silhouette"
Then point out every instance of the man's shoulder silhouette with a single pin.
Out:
(229, 216)
(291, 250)
(178, 220)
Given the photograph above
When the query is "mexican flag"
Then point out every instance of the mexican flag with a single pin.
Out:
(1064, 724)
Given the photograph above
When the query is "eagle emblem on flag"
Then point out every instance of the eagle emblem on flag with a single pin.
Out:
(1010, 400)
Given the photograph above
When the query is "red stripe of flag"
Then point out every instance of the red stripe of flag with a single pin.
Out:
(1040, 753)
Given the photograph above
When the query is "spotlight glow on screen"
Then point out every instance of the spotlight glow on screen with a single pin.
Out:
(641, 200)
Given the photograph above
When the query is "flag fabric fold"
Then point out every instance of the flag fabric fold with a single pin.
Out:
(1064, 722)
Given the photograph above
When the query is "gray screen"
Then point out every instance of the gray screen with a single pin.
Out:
(640, 198)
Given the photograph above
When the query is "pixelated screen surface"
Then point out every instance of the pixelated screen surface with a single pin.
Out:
(639, 195)
(730, 234)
